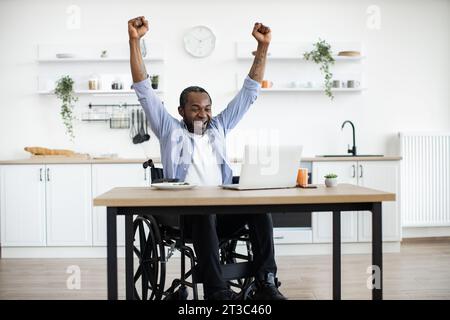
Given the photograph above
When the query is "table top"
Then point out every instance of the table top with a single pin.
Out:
(216, 196)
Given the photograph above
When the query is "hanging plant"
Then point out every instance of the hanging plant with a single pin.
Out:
(64, 91)
(322, 56)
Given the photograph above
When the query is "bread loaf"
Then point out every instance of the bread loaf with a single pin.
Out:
(40, 151)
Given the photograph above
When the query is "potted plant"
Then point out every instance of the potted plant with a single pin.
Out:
(322, 56)
(155, 81)
(64, 91)
(331, 180)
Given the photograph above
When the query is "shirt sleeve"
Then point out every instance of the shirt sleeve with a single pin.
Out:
(159, 119)
(237, 107)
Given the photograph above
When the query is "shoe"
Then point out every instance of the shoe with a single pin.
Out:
(225, 294)
(266, 289)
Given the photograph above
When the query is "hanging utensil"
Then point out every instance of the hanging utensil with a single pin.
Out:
(141, 128)
(146, 135)
(137, 138)
(132, 133)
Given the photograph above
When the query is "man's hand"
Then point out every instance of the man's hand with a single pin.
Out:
(262, 33)
(137, 28)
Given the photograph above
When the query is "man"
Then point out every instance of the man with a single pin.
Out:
(193, 150)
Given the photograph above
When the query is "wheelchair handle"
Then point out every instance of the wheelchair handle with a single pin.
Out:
(148, 163)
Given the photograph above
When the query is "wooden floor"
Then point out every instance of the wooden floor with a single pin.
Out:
(420, 271)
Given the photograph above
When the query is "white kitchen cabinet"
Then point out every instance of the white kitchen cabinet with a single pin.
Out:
(106, 177)
(322, 222)
(381, 175)
(22, 200)
(69, 204)
(357, 226)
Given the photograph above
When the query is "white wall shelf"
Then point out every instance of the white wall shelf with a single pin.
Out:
(295, 50)
(311, 89)
(60, 60)
(83, 62)
(289, 71)
(100, 92)
(92, 52)
(301, 58)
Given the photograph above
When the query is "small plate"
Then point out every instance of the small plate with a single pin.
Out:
(173, 185)
(65, 55)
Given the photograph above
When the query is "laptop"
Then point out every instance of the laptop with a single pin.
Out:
(267, 167)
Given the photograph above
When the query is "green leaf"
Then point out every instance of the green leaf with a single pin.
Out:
(322, 56)
(64, 92)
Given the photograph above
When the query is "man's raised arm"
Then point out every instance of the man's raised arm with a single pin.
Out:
(263, 35)
(159, 119)
(137, 28)
(237, 107)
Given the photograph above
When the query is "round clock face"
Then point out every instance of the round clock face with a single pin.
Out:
(199, 41)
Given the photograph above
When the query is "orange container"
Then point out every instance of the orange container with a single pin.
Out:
(302, 177)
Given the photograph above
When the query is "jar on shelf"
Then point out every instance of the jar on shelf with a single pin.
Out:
(94, 83)
(117, 85)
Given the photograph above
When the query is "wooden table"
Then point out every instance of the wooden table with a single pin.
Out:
(214, 200)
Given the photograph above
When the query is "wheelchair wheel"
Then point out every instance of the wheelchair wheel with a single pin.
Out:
(150, 276)
(228, 254)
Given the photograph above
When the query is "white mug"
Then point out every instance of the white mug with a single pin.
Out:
(353, 84)
(296, 84)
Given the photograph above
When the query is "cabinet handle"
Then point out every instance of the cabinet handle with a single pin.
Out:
(360, 171)
(145, 174)
(48, 174)
(354, 171)
(40, 174)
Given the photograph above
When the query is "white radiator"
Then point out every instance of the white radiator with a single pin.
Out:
(425, 179)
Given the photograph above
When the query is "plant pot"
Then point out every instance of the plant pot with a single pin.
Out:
(155, 86)
(331, 182)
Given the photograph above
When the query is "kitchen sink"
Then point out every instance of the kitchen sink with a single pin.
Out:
(349, 155)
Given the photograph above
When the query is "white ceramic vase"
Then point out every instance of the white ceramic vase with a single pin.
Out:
(330, 182)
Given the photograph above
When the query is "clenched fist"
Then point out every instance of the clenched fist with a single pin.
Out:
(137, 27)
(262, 33)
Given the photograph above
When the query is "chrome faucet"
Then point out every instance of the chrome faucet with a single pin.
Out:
(353, 149)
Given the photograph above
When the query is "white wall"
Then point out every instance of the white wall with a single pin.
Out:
(407, 69)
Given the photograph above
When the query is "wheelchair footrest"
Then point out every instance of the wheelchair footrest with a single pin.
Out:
(231, 271)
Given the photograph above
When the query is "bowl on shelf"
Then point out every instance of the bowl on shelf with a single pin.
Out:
(65, 55)
(349, 53)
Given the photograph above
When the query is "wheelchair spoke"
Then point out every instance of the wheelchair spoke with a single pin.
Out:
(137, 274)
(137, 253)
(142, 236)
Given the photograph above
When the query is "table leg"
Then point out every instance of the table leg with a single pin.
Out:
(377, 251)
(111, 235)
(129, 269)
(336, 255)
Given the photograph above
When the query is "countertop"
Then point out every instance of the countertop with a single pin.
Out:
(74, 160)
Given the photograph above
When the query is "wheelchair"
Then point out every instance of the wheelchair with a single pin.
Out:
(157, 238)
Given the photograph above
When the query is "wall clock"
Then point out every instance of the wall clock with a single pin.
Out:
(199, 41)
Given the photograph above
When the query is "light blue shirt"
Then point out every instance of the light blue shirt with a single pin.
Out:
(176, 145)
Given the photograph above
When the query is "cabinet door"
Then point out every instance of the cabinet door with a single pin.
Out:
(104, 178)
(69, 205)
(22, 200)
(322, 222)
(384, 176)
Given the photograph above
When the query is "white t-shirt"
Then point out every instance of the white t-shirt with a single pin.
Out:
(204, 169)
